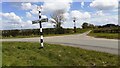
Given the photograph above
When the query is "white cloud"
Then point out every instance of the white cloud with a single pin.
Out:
(56, 5)
(82, 4)
(86, 15)
(102, 20)
(51, 20)
(99, 13)
(29, 6)
(104, 4)
(76, 14)
(47, 6)
(43, 16)
(28, 14)
(11, 17)
(47, 25)
(26, 6)
(79, 15)
(28, 24)
(66, 15)
(80, 18)
(34, 11)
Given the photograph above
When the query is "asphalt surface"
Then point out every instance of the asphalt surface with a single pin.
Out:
(78, 40)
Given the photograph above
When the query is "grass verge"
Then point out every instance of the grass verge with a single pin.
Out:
(105, 35)
(28, 54)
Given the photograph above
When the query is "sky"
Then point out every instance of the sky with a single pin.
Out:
(19, 15)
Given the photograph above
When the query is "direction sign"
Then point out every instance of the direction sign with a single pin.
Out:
(42, 20)
(36, 21)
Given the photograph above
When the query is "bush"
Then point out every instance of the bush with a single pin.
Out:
(36, 32)
(107, 30)
(31, 32)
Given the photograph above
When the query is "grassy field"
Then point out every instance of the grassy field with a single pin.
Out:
(105, 35)
(29, 54)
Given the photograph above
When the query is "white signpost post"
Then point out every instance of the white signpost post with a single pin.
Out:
(40, 23)
(74, 20)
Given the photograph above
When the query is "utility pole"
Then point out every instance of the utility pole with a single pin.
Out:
(40, 23)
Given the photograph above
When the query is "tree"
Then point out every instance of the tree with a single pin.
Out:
(109, 25)
(58, 20)
(85, 25)
(91, 26)
(58, 17)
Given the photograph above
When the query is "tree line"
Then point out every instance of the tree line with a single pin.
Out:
(88, 25)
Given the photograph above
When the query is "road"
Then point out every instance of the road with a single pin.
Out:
(78, 40)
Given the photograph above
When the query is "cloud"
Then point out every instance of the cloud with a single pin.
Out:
(104, 4)
(99, 13)
(66, 15)
(29, 6)
(80, 18)
(82, 4)
(51, 20)
(80, 15)
(43, 16)
(26, 6)
(76, 14)
(28, 24)
(28, 14)
(13, 21)
(34, 11)
(86, 15)
(47, 25)
(49, 6)
(11, 17)
(113, 19)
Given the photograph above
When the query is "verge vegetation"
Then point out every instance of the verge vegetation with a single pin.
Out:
(29, 54)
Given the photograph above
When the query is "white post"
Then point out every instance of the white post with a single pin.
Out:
(41, 33)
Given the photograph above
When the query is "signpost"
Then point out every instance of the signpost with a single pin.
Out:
(40, 23)
(74, 20)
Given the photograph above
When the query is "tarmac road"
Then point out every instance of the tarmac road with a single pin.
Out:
(78, 40)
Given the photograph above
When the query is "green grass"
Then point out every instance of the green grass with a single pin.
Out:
(29, 54)
(105, 35)
(0, 54)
